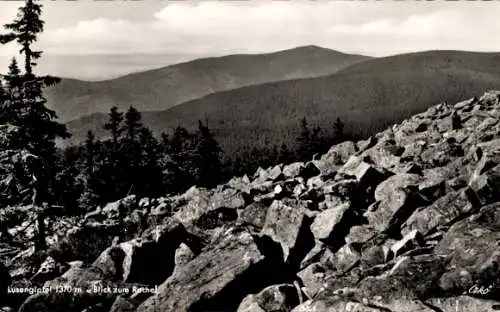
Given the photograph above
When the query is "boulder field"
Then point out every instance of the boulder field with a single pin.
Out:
(406, 220)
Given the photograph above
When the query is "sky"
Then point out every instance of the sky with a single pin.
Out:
(94, 40)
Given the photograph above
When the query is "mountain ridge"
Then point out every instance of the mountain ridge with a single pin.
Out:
(306, 48)
(275, 109)
(162, 88)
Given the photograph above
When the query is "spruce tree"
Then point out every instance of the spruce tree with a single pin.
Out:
(37, 123)
(209, 157)
(39, 129)
(13, 78)
(166, 163)
(3, 93)
(114, 126)
(180, 136)
(25, 29)
(95, 190)
(132, 124)
(115, 165)
(11, 101)
(338, 130)
(130, 152)
(227, 168)
(165, 142)
(304, 140)
(89, 151)
(274, 155)
(237, 168)
(309, 142)
(94, 182)
(315, 141)
(254, 160)
(149, 174)
(284, 156)
(3, 105)
(68, 187)
(182, 167)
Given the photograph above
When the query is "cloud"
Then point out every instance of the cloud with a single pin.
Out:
(444, 23)
(222, 27)
(101, 35)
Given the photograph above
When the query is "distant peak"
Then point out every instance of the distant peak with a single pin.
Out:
(313, 49)
(310, 47)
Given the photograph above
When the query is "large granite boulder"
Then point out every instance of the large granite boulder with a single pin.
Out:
(218, 279)
(288, 224)
(472, 244)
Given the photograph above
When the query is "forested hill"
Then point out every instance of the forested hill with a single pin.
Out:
(166, 87)
(367, 97)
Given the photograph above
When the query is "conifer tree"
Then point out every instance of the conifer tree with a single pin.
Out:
(274, 155)
(67, 187)
(254, 160)
(114, 167)
(304, 140)
(132, 124)
(114, 126)
(150, 173)
(182, 167)
(94, 182)
(25, 29)
(3, 104)
(338, 130)
(285, 156)
(209, 157)
(237, 168)
(180, 136)
(127, 165)
(89, 151)
(149, 144)
(3, 93)
(39, 129)
(309, 142)
(166, 163)
(13, 78)
(165, 142)
(11, 102)
(227, 170)
(131, 150)
(93, 189)
(315, 141)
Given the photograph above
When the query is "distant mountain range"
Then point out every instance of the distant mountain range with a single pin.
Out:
(163, 88)
(367, 96)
